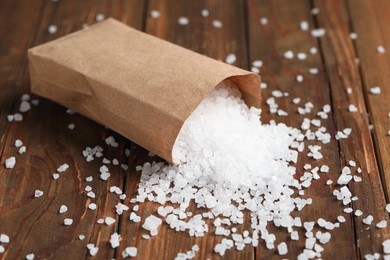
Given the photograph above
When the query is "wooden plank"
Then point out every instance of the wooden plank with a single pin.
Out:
(17, 35)
(373, 32)
(268, 43)
(33, 224)
(199, 35)
(342, 71)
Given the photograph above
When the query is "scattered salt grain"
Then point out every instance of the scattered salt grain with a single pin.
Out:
(99, 17)
(318, 32)
(155, 14)
(205, 13)
(4, 239)
(368, 220)
(71, 126)
(10, 163)
(63, 168)
(92, 206)
(288, 55)
(115, 239)
(257, 63)
(315, 11)
(183, 20)
(129, 252)
(230, 58)
(299, 78)
(30, 257)
(386, 246)
(63, 209)
(313, 71)
(92, 249)
(24, 106)
(22, 150)
(301, 56)
(109, 221)
(217, 24)
(375, 90)
(353, 36)
(38, 193)
(352, 108)
(68, 221)
(151, 224)
(304, 25)
(55, 176)
(358, 213)
(81, 237)
(264, 21)
(381, 224)
(380, 49)
(313, 50)
(282, 248)
(52, 29)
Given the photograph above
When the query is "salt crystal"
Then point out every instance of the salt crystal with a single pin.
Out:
(318, 32)
(109, 221)
(10, 163)
(92, 249)
(217, 24)
(315, 11)
(299, 78)
(380, 49)
(301, 56)
(205, 13)
(99, 17)
(63, 209)
(387, 208)
(30, 257)
(38, 193)
(81, 237)
(63, 168)
(4, 238)
(114, 240)
(230, 58)
(313, 50)
(381, 224)
(375, 90)
(264, 21)
(155, 14)
(129, 251)
(92, 206)
(68, 221)
(52, 29)
(151, 224)
(22, 150)
(55, 176)
(341, 219)
(288, 55)
(352, 108)
(358, 213)
(304, 25)
(183, 20)
(257, 63)
(282, 248)
(353, 36)
(313, 71)
(71, 126)
(386, 246)
(368, 220)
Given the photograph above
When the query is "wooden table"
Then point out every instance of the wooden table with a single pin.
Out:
(34, 224)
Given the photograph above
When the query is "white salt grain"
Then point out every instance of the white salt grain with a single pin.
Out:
(68, 221)
(318, 32)
(2, 249)
(99, 17)
(92, 206)
(375, 90)
(30, 257)
(205, 13)
(380, 49)
(368, 220)
(288, 55)
(92, 249)
(81, 237)
(22, 150)
(304, 25)
(313, 50)
(24, 106)
(315, 11)
(230, 58)
(151, 224)
(114, 240)
(386, 246)
(10, 163)
(109, 221)
(353, 36)
(299, 78)
(264, 21)
(381, 224)
(38, 193)
(4, 238)
(387, 208)
(155, 14)
(63, 209)
(63, 168)
(352, 108)
(183, 20)
(129, 252)
(282, 248)
(217, 24)
(52, 29)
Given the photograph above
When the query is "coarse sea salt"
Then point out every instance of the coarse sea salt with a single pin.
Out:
(223, 171)
(10, 162)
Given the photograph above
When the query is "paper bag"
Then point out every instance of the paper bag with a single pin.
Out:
(136, 84)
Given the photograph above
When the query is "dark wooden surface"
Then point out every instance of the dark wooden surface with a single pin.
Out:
(34, 224)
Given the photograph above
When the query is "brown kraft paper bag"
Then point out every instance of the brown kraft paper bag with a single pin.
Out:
(138, 85)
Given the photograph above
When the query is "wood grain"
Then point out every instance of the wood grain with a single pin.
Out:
(342, 70)
(268, 43)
